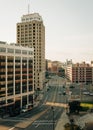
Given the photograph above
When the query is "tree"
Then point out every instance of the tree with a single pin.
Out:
(74, 106)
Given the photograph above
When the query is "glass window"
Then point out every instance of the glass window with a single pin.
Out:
(24, 52)
(2, 49)
(10, 50)
(30, 53)
(17, 51)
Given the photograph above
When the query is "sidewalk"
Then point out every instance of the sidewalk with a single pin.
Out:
(62, 121)
(79, 120)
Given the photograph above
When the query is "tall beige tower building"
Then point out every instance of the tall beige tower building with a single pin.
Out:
(31, 33)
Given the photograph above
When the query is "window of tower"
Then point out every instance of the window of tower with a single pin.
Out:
(26, 28)
(18, 29)
(33, 40)
(30, 25)
(22, 26)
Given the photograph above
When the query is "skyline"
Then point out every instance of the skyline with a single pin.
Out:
(68, 26)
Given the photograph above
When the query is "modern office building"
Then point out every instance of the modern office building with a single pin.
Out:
(80, 73)
(31, 33)
(16, 76)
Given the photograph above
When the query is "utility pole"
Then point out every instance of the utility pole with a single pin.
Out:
(53, 117)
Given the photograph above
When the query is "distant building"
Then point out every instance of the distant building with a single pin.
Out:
(16, 76)
(48, 65)
(31, 33)
(55, 67)
(80, 73)
(61, 72)
(69, 62)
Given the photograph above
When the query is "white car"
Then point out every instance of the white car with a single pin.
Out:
(86, 93)
(24, 110)
(91, 94)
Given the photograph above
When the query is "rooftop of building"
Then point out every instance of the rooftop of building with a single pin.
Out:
(31, 17)
(13, 46)
(83, 64)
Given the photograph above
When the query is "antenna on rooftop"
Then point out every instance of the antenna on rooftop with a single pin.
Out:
(28, 6)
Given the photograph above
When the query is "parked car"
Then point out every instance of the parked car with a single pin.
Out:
(86, 93)
(26, 108)
(91, 94)
(64, 92)
(72, 86)
(63, 86)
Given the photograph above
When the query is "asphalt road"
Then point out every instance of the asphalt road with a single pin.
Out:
(46, 121)
(42, 117)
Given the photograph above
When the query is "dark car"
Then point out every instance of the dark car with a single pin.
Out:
(71, 86)
(64, 92)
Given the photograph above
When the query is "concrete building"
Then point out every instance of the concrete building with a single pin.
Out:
(49, 65)
(31, 33)
(80, 73)
(16, 75)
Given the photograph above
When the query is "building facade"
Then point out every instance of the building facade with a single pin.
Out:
(80, 73)
(16, 76)
(31, 33)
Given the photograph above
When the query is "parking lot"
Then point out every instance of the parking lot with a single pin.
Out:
(85, 92)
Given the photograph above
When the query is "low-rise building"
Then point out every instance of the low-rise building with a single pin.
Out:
(80, 73)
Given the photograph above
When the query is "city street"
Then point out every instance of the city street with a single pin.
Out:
(49, 110)
(43, 116)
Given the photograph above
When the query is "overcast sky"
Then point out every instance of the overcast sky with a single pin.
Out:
(68, 26)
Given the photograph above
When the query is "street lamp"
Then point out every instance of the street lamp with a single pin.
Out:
(72, 124)
(53, 116)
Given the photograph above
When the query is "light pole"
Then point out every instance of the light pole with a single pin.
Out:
(53, 115)
(72, 124)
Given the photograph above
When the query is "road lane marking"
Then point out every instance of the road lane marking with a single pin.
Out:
(11, 128)
(45, 99)
(37, 125)
(56, 113)
(25, 124)
(54, 96)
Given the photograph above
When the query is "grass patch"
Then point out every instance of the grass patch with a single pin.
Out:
(88, 105)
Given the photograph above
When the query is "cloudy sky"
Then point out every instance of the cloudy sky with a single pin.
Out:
(68, 26)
